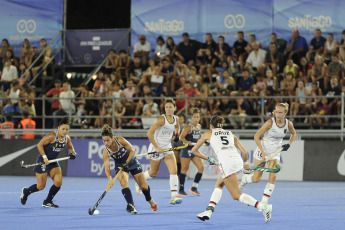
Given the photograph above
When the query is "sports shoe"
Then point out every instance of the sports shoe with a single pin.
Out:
(23, 197)
(133, 120)
(194, 191)
(243, 181)
(131, 209)
(181, 192)
(267, 211)
(153, 205)
(49, 204)
(206, 215)
(137, 188)
(176, 200)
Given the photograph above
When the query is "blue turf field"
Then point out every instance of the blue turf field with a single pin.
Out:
(296, 205)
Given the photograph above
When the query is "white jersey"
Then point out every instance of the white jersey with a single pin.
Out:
(223, 143)
(273, 138)
(164, 133)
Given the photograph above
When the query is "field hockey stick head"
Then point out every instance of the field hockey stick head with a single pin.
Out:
(91, 211)
(22, 164)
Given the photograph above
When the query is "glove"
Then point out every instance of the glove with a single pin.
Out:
(124, 166)
(286, 147)
(72, 156)
(207, 143)
(211, 161)
(176, 137)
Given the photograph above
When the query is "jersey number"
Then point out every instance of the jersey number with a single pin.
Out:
(225, 140)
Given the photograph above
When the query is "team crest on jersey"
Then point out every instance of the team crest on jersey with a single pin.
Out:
(56, 144)
(285, 131)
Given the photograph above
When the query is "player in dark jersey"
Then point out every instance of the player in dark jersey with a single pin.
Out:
(122, 152)
(191, 134)
(49, 148)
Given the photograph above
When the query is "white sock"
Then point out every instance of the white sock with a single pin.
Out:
(216, 195)
(248, 200)
(248, 179)
(267, 192)
(173, 185)
(147, 175)
(195, 185)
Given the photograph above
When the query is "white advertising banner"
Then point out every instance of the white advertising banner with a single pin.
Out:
(291, 162)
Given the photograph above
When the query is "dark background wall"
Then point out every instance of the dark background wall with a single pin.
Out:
(98, 14)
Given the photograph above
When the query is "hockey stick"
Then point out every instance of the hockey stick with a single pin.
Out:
(42, 163)
(262, 169)
(91, 211)
(165, 150)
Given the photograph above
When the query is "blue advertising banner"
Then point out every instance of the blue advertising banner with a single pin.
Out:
(89, 162)
(31, 19)
(91, 47)
(306, 16)
(218, 17)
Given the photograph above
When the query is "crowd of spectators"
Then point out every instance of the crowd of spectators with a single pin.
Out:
(194, 72)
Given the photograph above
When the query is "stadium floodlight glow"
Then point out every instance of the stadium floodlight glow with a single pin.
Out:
(69, 75)
(94, 77)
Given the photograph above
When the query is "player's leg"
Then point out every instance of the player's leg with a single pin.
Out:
(184, 168)
(56, 175)
(231, 183)
(126, 192)
(155, 164)
(41, 183)
(271, 181)
(253, 177)
(178, 161)
(215, 197)
(200, 166)
(140, 178)
(171, 165)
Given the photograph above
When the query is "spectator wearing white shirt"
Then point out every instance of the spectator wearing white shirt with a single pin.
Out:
(66, 101)
(256, 57)
(150, 109)
(142, 49)
(9, 73)
(161, 49)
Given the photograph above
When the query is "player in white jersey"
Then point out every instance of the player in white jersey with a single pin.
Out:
(273, 132)
(225, 145)
(160, 135)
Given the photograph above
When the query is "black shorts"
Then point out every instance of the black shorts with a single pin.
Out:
(186, 152)
(134, 168)
(45, 168)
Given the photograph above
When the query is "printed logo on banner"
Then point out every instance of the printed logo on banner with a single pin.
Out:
(309, 22)
(96, 43)
(238, 21)
(341, 164)
(28, 26)
(87, 58)
(163, 26)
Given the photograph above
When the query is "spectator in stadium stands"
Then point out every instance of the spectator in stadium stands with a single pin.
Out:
(136, 71)
(120, 110)
(161, 49)
(112, 62)
(23, 75)
(208, 67)
(194, 78)
(223, 50)
(27, 124)
(272, 60)
(288, 85)
(339, 102)
(299, 103)
(28, 94)
(323, 109)
(245, 84)
(5, 45)
(112, 81)
(334, 68)
(291, 67)
(9, 73)
(331, 47)
(319, 72)
(86, 106)
(209, 44)
(333, 90)
(239, 111)
(187, 50)
(142, 49)
(13, 93)
(239, 50)
(103, 90)
(150, 108)
(305, 70)
(152, 69)
(167, 71)
(10, 55)
(97, 84)
(26, 52)
(54, 94)
(181, 103)
(313, 101)
(188, 90)
(128, 94)
(181, 72)
(123, 68)
(225, 81)
(224, 104)
(297, 47)
(107, 110)
(271, 81)
(66, 103)
(46, 52)
(317, 45)
(171, 46)
(250, 46)
(341, 47)
(8, 124)
(256, 58)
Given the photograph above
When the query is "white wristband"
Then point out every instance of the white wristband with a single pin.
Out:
(45, 157)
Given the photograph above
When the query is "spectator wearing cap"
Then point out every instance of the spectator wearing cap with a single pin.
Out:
(54, 94)
(27, 124)
(142, 49)
(9, 73)
(187, 50)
